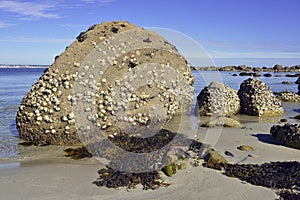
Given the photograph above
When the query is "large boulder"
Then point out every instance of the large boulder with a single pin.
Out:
(288, 134)
(218, 99)
(258, 100)
(121, 69)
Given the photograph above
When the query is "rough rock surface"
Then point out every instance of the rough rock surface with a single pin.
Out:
(46, 112)
(288, 134)
(258, 100)
(298, 82)
(218, 100)
(289, 97)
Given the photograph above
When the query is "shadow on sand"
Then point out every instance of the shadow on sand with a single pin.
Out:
(266, 138)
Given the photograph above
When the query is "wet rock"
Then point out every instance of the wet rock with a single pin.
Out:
(78, 153)
(287, 82)
(297, 117)
(215, 160)
(277, 68)
(246, 148)
(222, 121)
(288, 134)
(257, 99)
(283, 120)
(170, 169)
(228, 153)
(291, 75)
(267, 75)
(288, 96)
(217, 100)
(46, 110)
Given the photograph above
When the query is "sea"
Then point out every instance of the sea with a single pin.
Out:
(16, 82)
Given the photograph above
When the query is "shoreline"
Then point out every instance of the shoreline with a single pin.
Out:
(43, 172)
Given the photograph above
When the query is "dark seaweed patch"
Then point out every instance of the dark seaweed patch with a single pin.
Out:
(113, 179)
(276, 175)
(78, 153)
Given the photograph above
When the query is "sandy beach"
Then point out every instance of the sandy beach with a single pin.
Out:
(45, 173)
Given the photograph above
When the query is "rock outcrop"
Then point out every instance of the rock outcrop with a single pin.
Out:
(288, 96)
(217, 100)
(298, 82)
(138, 67)
(258, 100)
(288, 134)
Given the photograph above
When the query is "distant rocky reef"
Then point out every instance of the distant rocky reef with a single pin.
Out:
(244, 68)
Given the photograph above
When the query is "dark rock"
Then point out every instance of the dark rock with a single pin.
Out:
(283, 120)
(228, 153)
(298, 82)
(245, 74)
(288, 134)
(257, 99)
(267, 75)
(291, 75)
(277, 68)
(297, 117)
(287, 82)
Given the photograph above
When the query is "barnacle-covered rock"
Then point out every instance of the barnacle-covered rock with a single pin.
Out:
(217, 100)
(288, 96)
(135, 67)
(288, 134)
(258, 100)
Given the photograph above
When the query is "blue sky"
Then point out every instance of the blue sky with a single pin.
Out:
(232, 32)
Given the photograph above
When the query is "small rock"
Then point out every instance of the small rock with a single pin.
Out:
(215, 160)
(246, 148)
(228, 153)
(283, 120)
(170, 169)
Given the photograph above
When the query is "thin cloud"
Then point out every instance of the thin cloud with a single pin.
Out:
(29, 10)
(6, 25)
(98, 1)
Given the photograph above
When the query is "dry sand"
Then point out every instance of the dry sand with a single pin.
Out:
(44, 172)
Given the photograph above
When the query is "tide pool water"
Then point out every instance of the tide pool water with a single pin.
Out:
(16, 82)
